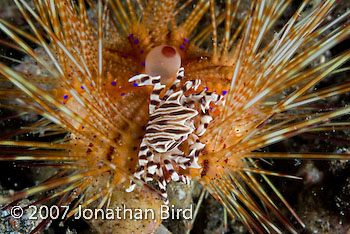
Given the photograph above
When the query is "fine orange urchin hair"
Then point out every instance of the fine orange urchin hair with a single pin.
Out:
(85, 52)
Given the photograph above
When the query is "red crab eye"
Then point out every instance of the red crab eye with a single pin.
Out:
(163, 61)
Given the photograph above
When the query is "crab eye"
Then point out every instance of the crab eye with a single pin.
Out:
(163, 61)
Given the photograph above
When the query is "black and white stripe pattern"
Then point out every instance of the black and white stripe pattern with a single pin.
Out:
(170, 124)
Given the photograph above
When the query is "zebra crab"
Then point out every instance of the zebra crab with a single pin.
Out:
(171, 123)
